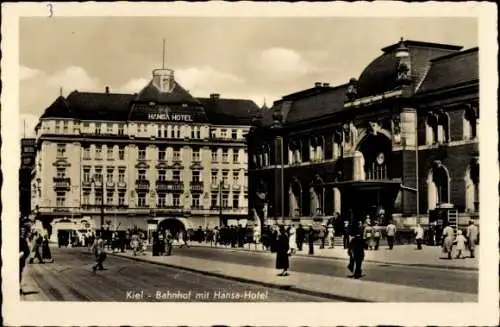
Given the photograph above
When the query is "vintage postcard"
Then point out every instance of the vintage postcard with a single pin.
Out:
(249, 164)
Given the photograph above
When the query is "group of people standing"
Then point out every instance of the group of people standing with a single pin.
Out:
(460, 242)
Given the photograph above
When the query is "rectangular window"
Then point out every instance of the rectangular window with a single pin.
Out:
(86, 174)
(60, 199)
(225, 200)
(86, 153)
(141, 200)
(142, 153)
(161, 154)
(225, 175)
(236, 178)
(110, 129)
(141, 174)
(196, 155)
(98, 151)
(177, 155)
(213, 200)
(195, 200)
(109, 197)
(223, 133)
(161, 200)
(110, 152)
(121, 130)
(57, 128)
(236, 201)
(61, 150)
(121, 199)
(121, 174)
(61, 172)
(214, 177)
(235, 156)
(198, 134)
(196, 176)
(213, 133)
(234, 134)
(225, 156)
(176, 200)
(98, 129)
(176, 175)
(109, 174)
(245, 196)
(121, 152)
(98, 174)
(65, 127)
(214, 155)
(86, 198)
(98, 197)
(161, 175)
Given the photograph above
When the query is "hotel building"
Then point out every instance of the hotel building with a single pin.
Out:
(402, 139)
(160, 156)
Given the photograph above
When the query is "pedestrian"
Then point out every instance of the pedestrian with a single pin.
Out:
(168, 242)
(346, 234)
(448, 239)
(310, 240)
(292, 236)
(472, 237)
(368, 235)
(322, 236)
(99, 253)
(46, 254)
(460, 242)
(356, 253)
(391, 234)
(376, 235)
(24, 252)
(419, 236)
(331, 236)
(301, 234)
(282, 252)
(256, 235)
(36, 245)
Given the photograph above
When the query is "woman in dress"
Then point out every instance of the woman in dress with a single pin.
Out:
(46, 255)
(448, 238)
(282, 247)
(460, 242)
(292, 242)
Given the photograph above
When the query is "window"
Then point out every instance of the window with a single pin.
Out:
(236, 177)
(245, 196)
(223, 133)
(161, 200)
(214, 177)
(234, 134)
(142, 153)
(177, 155)
(141, 174)
(225, 200)
(161, 154)
(110, 152)
(196, 155)
(98, 151)
(121, 174)
(195, 200)
(470, 123)
(193, 132)
(109, 197)
(225, 155)
(225, 177)
(121, 130)
(121, 152)
(57, 127)
(176, 200)
(61, 149)
(160, 128)
(109, 175)
(236, 201)
(86, 174)
(196, 176)
(86, 125)
(61, 172)
(141, 199)
(60, 199)
(98, 174)
(176, 175)
(213, 133)
(98, 129)
(198, 134)
(121, 199)
(213, 200)
(214, 155)
(65, 127)
(86, 198)
(161, 175)
(86, 152)
(98, 197)
(235, 156)
(110, 129)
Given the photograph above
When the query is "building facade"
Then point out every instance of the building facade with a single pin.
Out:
(160, 156)
(28, 154)
(401, 141)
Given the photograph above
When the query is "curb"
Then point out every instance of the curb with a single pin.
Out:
(426, 265)
(250, 281)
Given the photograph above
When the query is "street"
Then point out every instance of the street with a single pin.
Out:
(433, 278)
(70, 278)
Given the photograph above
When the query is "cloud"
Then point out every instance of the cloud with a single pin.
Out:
(73, 78)
(134, 85)
(27, 72)
(27, 123)
(283, 61)
(206, 79)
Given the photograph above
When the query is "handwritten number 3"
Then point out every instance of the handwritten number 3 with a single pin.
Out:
(51, 10)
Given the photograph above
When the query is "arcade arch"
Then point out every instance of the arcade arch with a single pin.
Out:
(438, 185)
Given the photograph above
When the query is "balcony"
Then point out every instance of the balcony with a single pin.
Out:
(169, 186)
(196, 186)
(121, 185)
(110, 185)
(62, 183)
(142, 185)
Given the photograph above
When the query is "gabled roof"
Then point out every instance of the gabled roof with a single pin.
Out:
(451, 70)
(178, 95)
(59, 108)
(229, 111)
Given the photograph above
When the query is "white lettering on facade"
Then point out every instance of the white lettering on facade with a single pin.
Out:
(170, 117)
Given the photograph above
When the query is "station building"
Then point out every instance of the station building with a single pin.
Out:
(401, 139)
(160, 156)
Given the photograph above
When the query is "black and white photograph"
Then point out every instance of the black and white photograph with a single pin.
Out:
(167, 157)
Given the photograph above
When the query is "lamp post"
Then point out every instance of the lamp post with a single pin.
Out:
(220, 202)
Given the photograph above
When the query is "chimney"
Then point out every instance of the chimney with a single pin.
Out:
(215, 96)
(317, 84)
(326, 84)
(107, 89)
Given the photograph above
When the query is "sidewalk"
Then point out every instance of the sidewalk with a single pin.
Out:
(338, 288)
(429, 256)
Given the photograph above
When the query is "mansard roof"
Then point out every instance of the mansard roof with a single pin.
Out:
(229, 111)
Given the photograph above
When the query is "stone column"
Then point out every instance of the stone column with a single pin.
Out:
(358, 169)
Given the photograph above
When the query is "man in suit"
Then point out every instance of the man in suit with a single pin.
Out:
(356, 255)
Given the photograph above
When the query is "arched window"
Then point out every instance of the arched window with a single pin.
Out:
(472, 187)
(470, 122)
(337, 144)
(438, 185)
(294, 198)
(312, 149)
(431, 129)
(319, 149)
(443, 128)
(169, 131)
(298, 152)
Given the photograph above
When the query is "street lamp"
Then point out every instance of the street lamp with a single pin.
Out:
(94, 182)
(220, 202)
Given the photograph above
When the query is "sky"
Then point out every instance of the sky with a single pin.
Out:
(255, 58)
